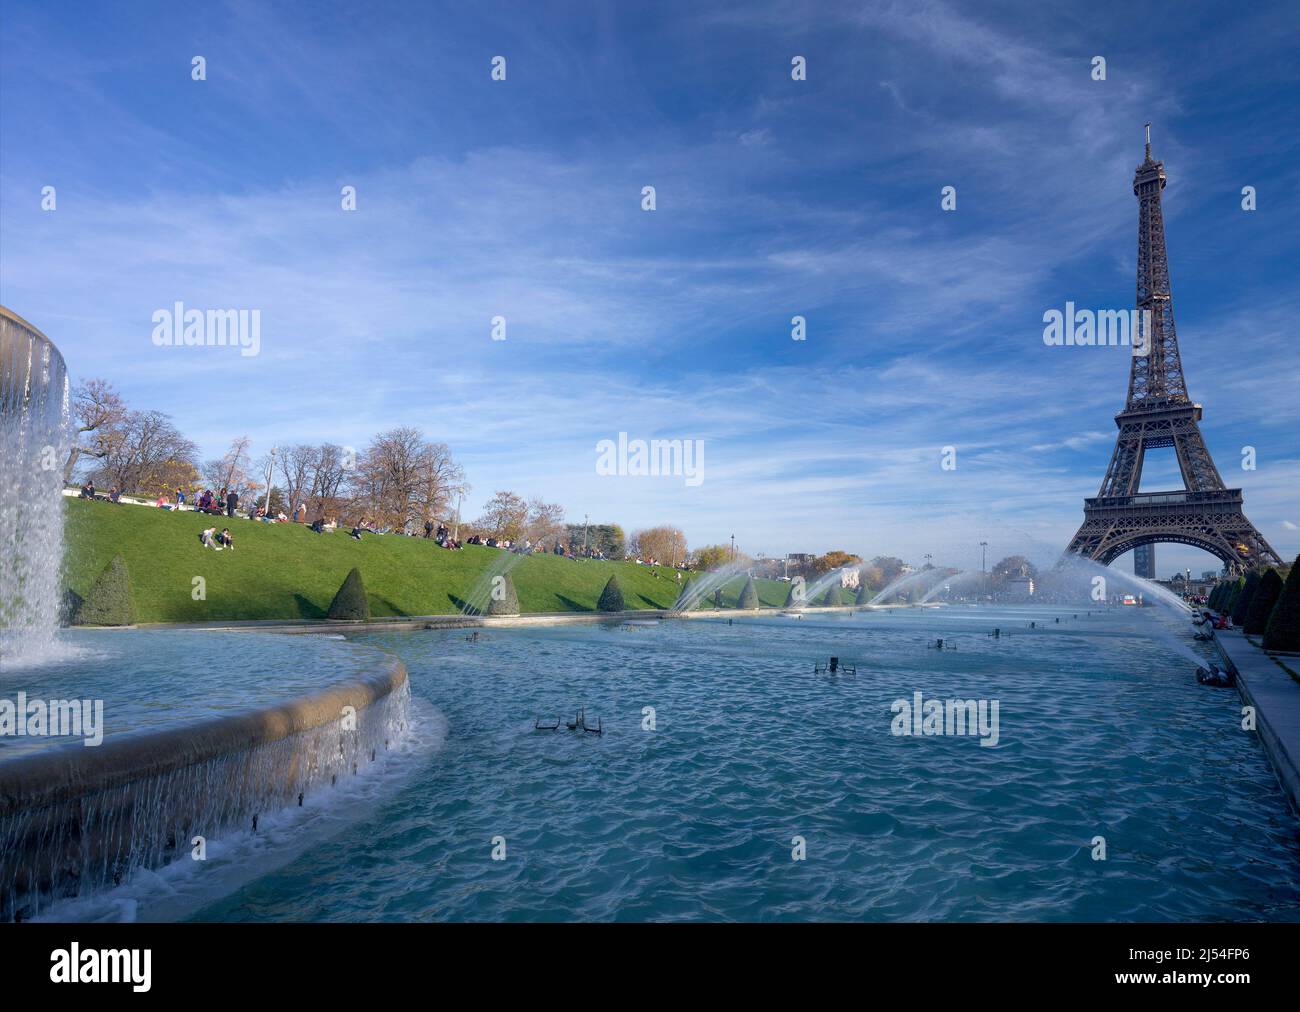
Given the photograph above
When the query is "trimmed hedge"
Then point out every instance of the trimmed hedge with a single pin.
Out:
(790, 600)
(109, 600)
(508, 603)
(1242, 601)
(862, 596)
(1230, 597)
(749, 596)
(1261, 605)
(611, 598)
(350, 604)
(1283, 629)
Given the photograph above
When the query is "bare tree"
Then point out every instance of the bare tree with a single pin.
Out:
(545, 521)
(231, 471)
(329, 478)
(403, 479)
(148, 455)
(99, 414)
(297, 470)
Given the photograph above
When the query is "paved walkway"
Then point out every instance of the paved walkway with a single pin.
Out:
(1275, 695)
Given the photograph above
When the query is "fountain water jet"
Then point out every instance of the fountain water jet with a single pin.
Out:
(691, 596)
(33, 435)
(905, 582)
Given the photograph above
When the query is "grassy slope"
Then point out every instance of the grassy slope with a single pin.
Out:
(284, 571)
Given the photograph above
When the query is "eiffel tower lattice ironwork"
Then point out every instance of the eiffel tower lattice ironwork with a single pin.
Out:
(1159, 413)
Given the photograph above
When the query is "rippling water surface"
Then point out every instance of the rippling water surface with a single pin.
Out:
(1102, 732)
(153, 679)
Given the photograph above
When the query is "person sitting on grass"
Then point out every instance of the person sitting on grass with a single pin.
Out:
(114, 495)
(318, 525)
(356, 530)
(225, 538)
(207, 538)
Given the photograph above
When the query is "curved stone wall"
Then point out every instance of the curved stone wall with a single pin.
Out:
(74, 819)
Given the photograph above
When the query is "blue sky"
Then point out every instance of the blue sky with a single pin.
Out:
(775, 198)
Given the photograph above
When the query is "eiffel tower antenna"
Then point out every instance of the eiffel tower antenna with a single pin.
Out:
(1159, 413)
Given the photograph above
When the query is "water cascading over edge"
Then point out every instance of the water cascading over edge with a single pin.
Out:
(33, 436)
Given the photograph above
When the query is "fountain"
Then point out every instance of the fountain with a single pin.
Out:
(966, 578)
(33, 433)
(907, 581)
(824, 582)
(80, 810)
(693, 594)
(478, 599)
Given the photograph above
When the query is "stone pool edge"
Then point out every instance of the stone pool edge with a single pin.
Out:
(66, 772)
(1275, 695)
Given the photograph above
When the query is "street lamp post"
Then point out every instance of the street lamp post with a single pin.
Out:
(585, 518)
(270, 471)
(984, 580)
(733, 548)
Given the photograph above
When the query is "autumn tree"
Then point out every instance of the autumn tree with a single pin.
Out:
(832, 560)
(664, 544)
(890, 567)
(504, 517)
(871, 575)
(147, 454)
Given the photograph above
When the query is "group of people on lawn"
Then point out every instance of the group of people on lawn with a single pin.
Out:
(225, 502)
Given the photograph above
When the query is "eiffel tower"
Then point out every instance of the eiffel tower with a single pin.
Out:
(1159, 413)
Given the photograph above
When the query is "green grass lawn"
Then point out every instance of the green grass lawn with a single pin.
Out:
(284, 571)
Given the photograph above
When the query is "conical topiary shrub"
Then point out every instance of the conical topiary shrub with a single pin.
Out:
(795, 597)
(831, 598)
(749, 595)
(1242, 604)
(1230, 598)
(717, 598)
(1216, 596)
(611, 598)
(350, 603)
(1283, 629)
(108, 602)
(503, 600)
(862, 596)
(1261, 605)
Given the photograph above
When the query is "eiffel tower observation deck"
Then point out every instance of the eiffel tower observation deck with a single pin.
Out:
(1159, 413)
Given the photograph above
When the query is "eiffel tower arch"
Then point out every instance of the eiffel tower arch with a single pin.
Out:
(1159, 413)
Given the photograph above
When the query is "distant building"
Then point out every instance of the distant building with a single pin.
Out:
(1144, 561)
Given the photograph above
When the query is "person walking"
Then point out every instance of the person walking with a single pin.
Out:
(232, 500)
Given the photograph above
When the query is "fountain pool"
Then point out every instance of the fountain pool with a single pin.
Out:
(1103, 732)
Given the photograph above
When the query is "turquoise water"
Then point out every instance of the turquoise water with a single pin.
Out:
(1102, 732)
(155, 679)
